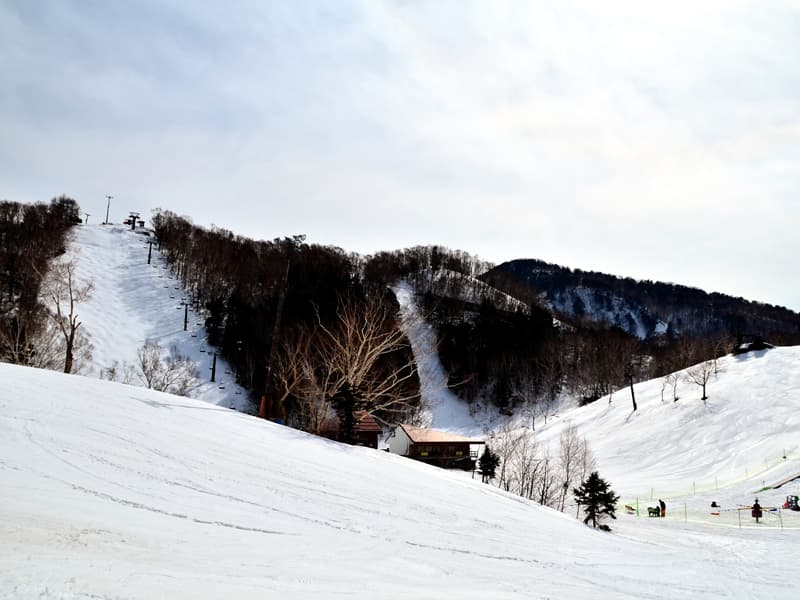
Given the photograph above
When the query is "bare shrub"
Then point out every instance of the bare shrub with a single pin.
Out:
(174, 374)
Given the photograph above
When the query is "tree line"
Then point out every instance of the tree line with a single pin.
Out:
(305, 331)
(687, 311)
(38, 290)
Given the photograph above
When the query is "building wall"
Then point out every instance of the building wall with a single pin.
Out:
(399, 442)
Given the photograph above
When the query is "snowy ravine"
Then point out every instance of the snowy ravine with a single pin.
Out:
(442, 408)
(134, 302)
(112, 491)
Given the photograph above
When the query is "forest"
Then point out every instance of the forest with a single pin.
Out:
(32, 236)
(314, 333)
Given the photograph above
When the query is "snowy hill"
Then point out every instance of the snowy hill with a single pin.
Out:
(694, 452)
(116, 491)
(111, 491)
(134, 302)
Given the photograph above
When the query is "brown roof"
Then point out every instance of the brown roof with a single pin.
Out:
(365, 423)
(421, 435)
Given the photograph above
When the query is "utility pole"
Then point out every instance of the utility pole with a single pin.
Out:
(86, 220)
(214, 368)
(185, 306)
(149, 251)
(291, 246)
(108, 206)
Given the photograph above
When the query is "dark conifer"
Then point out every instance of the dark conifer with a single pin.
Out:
(597, 499)
(487, 465)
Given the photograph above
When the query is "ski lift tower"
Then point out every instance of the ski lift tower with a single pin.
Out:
(131, 220)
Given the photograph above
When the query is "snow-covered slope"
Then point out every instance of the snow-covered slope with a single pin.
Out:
(694, 452)
(442, 409)
(111, 491)
(134, 302)
(745, 437)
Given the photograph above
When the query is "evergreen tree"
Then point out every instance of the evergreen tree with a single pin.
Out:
(597, 499)
(345, 403)
(487, 465)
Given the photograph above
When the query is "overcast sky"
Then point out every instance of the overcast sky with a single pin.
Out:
(651, 140)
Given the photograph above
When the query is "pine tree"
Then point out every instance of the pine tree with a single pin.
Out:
(597, 499)
(487, 465)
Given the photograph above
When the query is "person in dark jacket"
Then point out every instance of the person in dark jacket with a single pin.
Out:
(757, 510)
(663, 506)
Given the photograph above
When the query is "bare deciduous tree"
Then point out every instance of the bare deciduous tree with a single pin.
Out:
(125, 373)
(63, 292)
(32, 338)
(356, 360)
(524, 469)
(298, 376)
(175, 374)
(670, 380)
(571, 448)
(700, 375)
(546, 481)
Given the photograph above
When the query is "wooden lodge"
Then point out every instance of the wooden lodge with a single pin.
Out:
(438, 448)
(366, 432)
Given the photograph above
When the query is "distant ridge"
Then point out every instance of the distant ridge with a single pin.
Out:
(643, 308)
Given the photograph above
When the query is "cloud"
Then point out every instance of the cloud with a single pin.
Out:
(640, 140)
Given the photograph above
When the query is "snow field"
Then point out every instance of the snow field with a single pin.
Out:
(113, 491)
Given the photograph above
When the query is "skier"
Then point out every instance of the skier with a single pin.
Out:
(663, 506)
(756, 510)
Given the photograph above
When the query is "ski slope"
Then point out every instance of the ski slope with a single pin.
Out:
(745, 437)
(690, 453)
(112, 491)
(134, 302)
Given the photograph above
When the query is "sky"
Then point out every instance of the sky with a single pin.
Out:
(657, 142)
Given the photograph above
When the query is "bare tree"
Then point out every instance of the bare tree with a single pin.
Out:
(545, 483)
(175, 374)
(525, 468)
(571, 458)
(64, 292)
(505, 444)
(700, 375)
(551, 368)
(720, 347)
(32, 338)
(298, 377)
(355, 363)
(525, 391)
(670, 380)
(124, 373)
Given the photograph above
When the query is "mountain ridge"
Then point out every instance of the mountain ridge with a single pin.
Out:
(644, 308)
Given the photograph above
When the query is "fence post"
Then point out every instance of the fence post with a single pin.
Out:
(739, 514)
(685, 513)
(780, 516)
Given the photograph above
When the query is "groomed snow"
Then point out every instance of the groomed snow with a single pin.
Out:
(111, 491)
(134, 302)
(692, 452)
